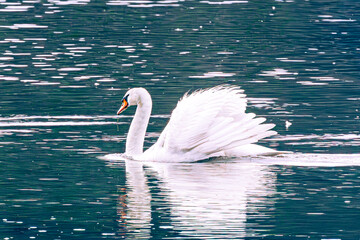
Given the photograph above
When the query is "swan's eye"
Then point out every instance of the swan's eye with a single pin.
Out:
(124, 104)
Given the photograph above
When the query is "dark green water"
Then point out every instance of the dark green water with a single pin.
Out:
(65, 65)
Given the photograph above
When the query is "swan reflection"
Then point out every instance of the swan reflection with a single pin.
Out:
(199, 199)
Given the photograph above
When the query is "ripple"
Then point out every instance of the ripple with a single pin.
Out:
(52, 124)
(262, 102)
(106, 80)
(325, 16)
(323, 141)
(325, 78)
(225, 53)
(213, 74)
(21, 8)
(8, 78)
(6, 58)
(309, 83)
(16, 54)
(74, 86)
(25, 25)
(14, 40)
(314, 160)
(23, 117)
(87, 77)
(290, 60)
(338, 20)
(70, 69)
(289, 159)
(145, 3)
(277, 72)
(320, 137)
(79, 229)
(35, 39)
(223, 2)
(9, 132)
(69, 2)
(45, 83)
(40, 121)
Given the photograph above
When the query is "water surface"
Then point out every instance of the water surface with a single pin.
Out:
(65, 64)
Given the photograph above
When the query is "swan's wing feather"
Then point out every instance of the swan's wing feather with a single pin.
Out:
(210, 121)
(196, 113)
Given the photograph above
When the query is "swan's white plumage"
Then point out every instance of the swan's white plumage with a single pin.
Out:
(210, 123)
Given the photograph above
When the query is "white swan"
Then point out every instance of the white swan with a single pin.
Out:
(207, 123)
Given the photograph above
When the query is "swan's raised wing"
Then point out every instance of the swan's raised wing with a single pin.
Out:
(211, 121)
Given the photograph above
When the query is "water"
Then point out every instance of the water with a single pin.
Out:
(64, 66)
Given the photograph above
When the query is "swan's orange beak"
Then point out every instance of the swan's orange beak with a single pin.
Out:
(124, 106)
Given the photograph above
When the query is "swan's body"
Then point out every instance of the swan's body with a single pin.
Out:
(207, 123)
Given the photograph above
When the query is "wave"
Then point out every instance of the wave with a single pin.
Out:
(47, 124)
(289, 159)
(70, 120)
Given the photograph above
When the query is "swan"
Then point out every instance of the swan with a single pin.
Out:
(206, 123)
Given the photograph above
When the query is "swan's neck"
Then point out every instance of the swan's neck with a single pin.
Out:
(137, 130)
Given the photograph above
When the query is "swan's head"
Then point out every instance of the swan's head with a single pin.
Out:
(135, 96)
